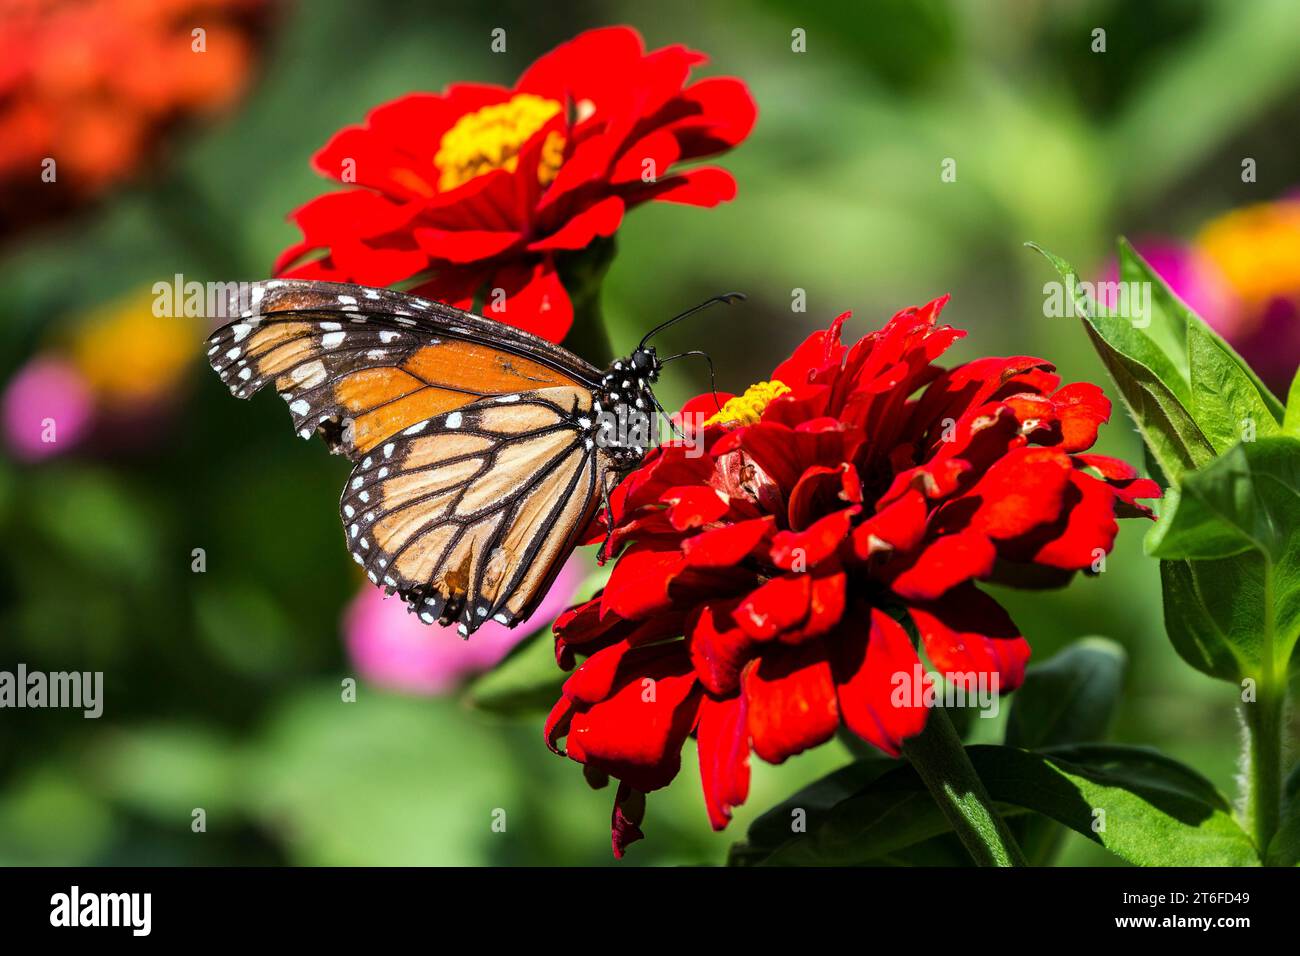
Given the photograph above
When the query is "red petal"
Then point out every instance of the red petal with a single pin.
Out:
(600, 219)
(653, 153)
(825, 604)
(639, 584)
(719, 648)
(898, 527)
(464, 245)
(693, 506)
(945, 563)
(724, 115)
(1123, 477)
(723, 735)
(1020, 492)
(1081, 409)
(578, 67)
(817, 354)
(876, 676)
(969, 633)
(636, 734)
(779, 605)
(1090, 525)
(702, 186)
(801, 550)
(415, 123)
(582, 630)
(790, 701)
(727, 546)
(356, 155)
(535, 300)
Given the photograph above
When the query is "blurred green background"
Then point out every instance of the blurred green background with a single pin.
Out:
(223, 688)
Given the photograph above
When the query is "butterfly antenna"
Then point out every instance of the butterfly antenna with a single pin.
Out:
(725, 299)
(713, 380)
(668, 418)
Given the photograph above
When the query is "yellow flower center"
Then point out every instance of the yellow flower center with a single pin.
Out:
(1257, 249)
(746, 409)
(492, 137)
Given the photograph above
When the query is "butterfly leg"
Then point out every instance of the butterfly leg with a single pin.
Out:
(603, 554)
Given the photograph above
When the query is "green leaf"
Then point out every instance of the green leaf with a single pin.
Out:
(781, 826)
(1180, 332)
(1214, 613)
(1225, 402)
(1071, 698)
(527, 681)
(1189, 393)
(1291, 421)
(1154, 391)
(1247, 501)
(1155, 811)
(1068, 699)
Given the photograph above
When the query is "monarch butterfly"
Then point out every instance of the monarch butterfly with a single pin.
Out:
(481, 451)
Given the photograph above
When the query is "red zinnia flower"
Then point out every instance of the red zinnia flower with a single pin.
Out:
(862, 487)
(481, 187)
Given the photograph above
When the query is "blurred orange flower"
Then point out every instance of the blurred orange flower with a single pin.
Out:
(90, 84)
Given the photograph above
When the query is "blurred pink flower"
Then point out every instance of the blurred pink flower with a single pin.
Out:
(392, 649)
(47, 398)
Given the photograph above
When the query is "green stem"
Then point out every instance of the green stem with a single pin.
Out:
(583, 276)
(1264, 718)
(1264, 802)
(939, 757)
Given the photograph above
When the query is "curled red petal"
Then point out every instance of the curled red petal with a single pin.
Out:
(626, 819)
(723, 735)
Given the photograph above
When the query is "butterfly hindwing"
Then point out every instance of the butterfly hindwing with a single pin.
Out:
(468, 515)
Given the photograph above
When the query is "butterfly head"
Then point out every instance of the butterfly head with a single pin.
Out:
(645, 363)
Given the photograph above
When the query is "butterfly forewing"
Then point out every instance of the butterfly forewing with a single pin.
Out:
(361, 364)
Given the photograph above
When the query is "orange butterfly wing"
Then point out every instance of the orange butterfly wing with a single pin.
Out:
(359, 365)
(475, 473)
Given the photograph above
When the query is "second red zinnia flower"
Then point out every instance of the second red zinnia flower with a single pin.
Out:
(768, 588)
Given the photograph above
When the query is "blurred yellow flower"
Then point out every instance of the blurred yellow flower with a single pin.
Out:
(1257, 248)
(131, 357)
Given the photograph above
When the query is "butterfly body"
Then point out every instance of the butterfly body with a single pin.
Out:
(481, 452)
